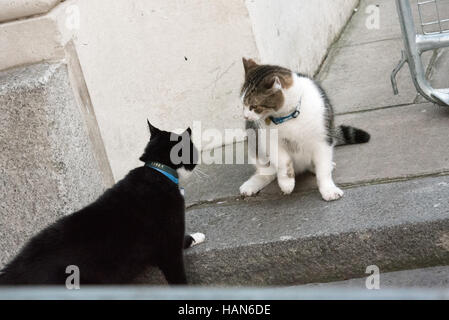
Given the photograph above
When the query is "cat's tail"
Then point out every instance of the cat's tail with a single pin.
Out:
(350, 135)
(191, 240)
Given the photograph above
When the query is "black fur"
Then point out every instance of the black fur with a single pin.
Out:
(137, 223)
(350, 135)
(188, 241)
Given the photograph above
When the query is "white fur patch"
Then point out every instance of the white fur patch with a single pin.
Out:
(183, 173)
(331, 193)
(309, 133)
(286, 184)
(256, 183)
(197, 238)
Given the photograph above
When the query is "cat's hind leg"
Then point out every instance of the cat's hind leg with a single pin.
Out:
(322, 159)
(194, 239)
(172, 266)
(285, 171)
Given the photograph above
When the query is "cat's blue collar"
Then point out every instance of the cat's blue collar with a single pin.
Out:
(165, 170)
(293, 115)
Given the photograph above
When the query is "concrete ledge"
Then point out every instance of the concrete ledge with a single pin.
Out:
(301, 239)
(435, 277)
(47, 163)
(399, 149)
(36, 39)
(15, 9)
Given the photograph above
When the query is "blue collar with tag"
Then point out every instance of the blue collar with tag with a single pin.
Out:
(165, 170)
(293, 115)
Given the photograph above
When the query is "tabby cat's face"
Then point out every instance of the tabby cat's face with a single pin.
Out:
(262, 93)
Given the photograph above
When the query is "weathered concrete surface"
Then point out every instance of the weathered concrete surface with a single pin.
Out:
(356, 73)
(300, 239)
(15, 9)
(358, 77)
(47, 163)
(439, 77)
(287, 32)
(362, 30)
(37, 38)
(406, 141)
(436, 277)
(217, 182)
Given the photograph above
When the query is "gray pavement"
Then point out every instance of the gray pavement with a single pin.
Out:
(406, 142)
(357, 78)
(436, 277)
(356, 33)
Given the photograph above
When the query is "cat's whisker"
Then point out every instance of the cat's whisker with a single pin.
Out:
(199, 170)
(198, 175)
(202, 173)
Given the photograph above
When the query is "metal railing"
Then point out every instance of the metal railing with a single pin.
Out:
(435, 35)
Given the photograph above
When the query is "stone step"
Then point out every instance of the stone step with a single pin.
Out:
(287, 240)
(407, 141)
(435, 277)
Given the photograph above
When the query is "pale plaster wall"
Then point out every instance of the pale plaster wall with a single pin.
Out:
(297, 34)
(173, 62)
(15, 9)
(35, 39)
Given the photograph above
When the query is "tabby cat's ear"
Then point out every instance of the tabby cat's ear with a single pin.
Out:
(153, 130)
(248, 64)
(273, 84)
(189, 131)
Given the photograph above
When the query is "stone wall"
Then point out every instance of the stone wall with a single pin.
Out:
(48, 164)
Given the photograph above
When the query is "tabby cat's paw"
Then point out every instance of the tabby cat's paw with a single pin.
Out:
(331, 193)
(287, 185)
(249, 189)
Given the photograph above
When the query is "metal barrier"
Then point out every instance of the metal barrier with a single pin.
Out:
(435, 35)
(206, 293)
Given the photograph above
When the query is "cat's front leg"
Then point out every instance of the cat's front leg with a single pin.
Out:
(322, 159)
(285, 171)
(264, 176)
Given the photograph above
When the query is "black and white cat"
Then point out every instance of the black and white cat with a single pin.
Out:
(137, 223)
(277, 98)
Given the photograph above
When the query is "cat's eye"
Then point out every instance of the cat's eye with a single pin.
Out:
(260, 106)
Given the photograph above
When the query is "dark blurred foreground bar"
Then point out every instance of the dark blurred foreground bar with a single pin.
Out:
(196, 293)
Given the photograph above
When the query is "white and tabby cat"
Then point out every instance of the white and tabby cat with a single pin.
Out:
(277, 98)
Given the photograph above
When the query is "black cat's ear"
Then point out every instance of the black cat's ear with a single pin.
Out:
(153, 130)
